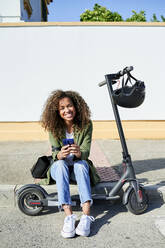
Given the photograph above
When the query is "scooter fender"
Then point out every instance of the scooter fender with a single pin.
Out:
(126, 194)
(34, 186)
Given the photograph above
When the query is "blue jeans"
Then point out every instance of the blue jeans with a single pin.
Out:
(60, 173)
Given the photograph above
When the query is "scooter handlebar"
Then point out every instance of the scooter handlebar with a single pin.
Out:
(102, 83)
(118, 75)
(125, 70)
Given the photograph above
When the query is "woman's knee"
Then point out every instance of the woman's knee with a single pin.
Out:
(81, 166)
(58, 167)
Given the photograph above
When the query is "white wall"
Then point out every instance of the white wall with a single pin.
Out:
(35, 60)
(10, 11)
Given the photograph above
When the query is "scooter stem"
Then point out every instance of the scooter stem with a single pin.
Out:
(109, 78)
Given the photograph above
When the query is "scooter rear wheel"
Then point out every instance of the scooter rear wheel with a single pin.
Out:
(133, 206)
(23, 201)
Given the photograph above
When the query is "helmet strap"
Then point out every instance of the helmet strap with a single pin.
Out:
(128, 79)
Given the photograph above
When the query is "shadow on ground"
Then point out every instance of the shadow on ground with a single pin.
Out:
(151, 170)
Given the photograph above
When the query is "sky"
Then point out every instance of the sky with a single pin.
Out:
(70, 10)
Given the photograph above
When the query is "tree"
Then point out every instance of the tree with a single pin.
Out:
(154, 18)
(137, 17)
(163, 18)
(100, 14)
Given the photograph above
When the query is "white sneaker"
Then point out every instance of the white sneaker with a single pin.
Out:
(68, 230)
(83, 227)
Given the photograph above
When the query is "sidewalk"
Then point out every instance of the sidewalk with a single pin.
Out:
(148, 156)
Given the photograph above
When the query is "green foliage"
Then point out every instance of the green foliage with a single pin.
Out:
(154, 18)
(163, 18)
(100, 14)
(137, 17)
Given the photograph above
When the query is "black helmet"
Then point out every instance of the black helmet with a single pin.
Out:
(130, 96)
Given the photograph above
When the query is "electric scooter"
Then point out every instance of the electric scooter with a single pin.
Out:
(33, 198)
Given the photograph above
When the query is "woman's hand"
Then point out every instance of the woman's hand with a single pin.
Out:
(65, 151)
(75, 150)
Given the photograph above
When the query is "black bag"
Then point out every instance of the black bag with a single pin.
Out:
(40, 168)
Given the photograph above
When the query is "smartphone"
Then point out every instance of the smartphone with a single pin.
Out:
(68, 142)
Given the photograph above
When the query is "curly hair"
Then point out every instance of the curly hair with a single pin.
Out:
(51, 120)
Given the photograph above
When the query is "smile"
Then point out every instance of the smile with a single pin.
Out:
(68, 115)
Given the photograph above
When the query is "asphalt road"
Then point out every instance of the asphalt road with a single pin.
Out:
(114, 227)
(148, 156)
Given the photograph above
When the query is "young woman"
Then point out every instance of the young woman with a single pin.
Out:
(67, 115)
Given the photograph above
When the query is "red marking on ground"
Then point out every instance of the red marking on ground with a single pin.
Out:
(103, 167)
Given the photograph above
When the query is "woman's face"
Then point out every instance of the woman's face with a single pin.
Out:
(66, 110)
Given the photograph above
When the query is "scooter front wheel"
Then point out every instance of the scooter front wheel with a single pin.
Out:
(25, 197)
(133, 205)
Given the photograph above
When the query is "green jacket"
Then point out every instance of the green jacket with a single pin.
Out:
(81, 138)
